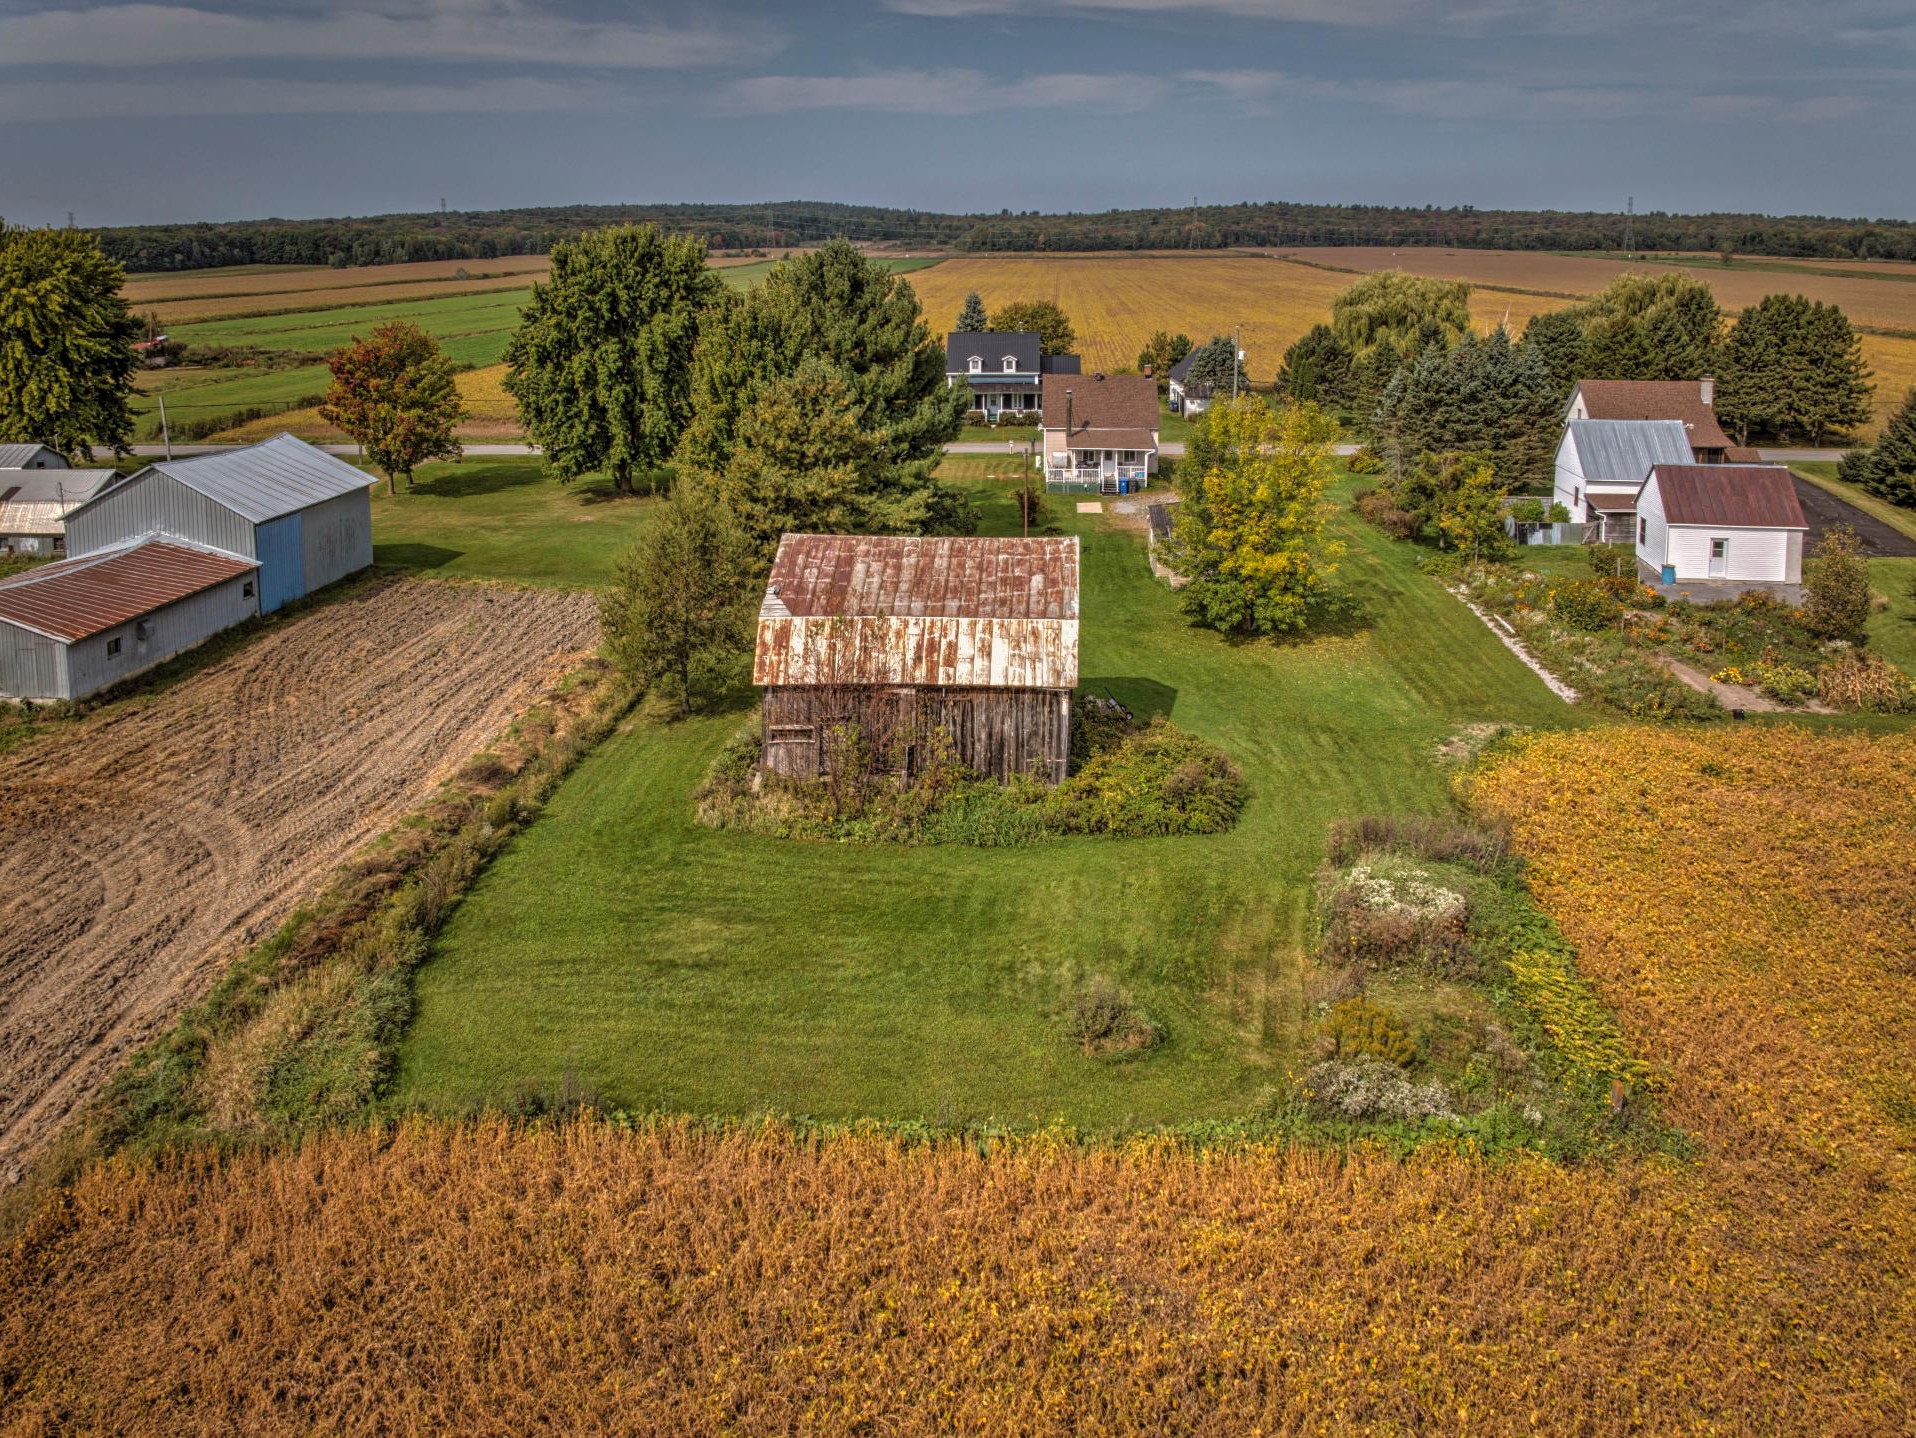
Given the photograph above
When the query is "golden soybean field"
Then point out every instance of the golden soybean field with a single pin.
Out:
(1743, 899)
(1115, 302)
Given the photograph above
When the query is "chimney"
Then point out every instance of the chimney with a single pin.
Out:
(1147, 371)
(1707, 388)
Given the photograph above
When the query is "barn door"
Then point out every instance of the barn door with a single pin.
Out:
(282, 562)
(792, 750)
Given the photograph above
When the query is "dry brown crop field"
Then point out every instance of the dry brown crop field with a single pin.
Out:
(153, 840)
(1116, 301)
(1751, 927)
(1888, 303)
(269, 289)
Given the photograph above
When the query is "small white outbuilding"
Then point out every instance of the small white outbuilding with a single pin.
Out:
(1739, 525)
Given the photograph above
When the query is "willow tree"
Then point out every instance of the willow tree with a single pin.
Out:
(1387, 319)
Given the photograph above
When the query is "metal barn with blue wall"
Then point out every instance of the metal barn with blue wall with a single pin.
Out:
(303, 514)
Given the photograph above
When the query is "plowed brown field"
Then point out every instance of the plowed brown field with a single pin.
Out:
(143, 847)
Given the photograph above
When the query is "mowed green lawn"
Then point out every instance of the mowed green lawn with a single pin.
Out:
(502, 519)
(620, 945)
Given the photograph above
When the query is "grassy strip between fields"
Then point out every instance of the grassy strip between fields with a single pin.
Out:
(303, 1028)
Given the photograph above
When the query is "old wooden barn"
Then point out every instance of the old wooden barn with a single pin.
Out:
(900, 637)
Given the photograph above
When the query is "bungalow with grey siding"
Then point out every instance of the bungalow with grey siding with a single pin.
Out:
(303, 514)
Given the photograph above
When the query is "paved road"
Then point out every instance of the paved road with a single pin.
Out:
(1825, 511)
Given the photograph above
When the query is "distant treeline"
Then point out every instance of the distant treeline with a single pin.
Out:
(484, 234)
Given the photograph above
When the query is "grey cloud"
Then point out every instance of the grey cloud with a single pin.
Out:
(495, 31)
(936, 92)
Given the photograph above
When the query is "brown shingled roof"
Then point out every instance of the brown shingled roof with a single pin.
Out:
(1680, 399)
(1099, 401)
(74, 598)
(1753, 496)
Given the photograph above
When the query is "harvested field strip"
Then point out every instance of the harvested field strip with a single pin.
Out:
(1882, 303)
(245, 306)
(142, 291)
(153, 840)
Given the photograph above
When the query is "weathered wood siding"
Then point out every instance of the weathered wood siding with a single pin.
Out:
(997, 732)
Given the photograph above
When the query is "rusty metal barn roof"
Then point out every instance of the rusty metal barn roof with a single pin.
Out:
(74, 598)
(871, 609)
(1751, 496)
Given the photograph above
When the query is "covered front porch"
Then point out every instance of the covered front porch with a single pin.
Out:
(1099, 471)
(997, 397)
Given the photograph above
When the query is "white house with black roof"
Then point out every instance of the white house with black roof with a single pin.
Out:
(1004, 370)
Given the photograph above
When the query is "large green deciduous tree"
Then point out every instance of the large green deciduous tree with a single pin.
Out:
(66, 343)
(1387, 319)
(601, 361)
(1484, 395)
(1888, 467)
(1051, 323)
(837, 317)
(394, 392)
(679, 608)
(1793, 367)
(1249, 536)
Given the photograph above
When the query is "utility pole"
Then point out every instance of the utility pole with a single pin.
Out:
(1237, 360)
(166, 435)
(1630, 228)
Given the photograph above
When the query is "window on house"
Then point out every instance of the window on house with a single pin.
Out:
(112, 647)
(140, 631)
(1011, 364)
(1576, 494)
(246, 590)
(1643, 531)
(977, 365)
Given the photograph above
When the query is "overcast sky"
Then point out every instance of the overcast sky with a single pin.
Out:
(221, 109)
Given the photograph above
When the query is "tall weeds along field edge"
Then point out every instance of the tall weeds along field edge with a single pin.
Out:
(1743, 901)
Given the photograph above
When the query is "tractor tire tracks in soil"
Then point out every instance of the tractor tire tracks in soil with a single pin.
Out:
(147, 846)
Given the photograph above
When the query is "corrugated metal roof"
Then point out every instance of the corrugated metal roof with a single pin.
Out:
(1677, 399)
(73, 598)
(868, 609)
(19, 456)
(1621, 451)
(37, 501)
(1751, 496)
(268, 479)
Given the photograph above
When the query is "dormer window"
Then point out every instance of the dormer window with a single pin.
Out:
(977, 365)
(1011, 363)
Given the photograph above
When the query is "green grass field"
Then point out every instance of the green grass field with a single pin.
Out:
(620, 945)
(200, 394)
(501, 519)
(473, 329)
